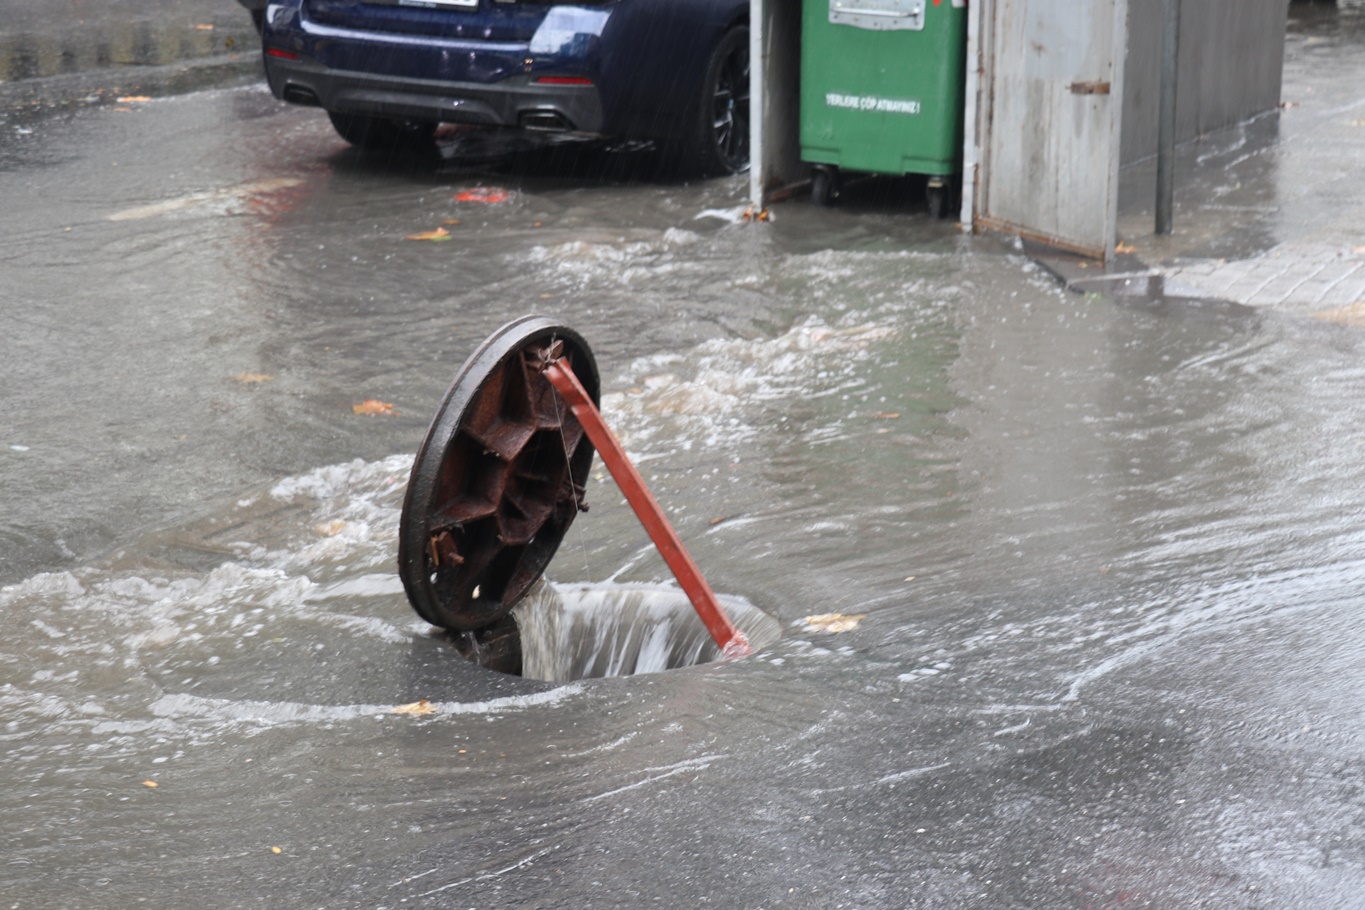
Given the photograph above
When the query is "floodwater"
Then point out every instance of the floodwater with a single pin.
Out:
(1107, 554)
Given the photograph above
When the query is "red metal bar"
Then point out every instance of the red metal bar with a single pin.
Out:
(731, 641)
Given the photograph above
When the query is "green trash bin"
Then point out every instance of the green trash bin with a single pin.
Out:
(882, 85)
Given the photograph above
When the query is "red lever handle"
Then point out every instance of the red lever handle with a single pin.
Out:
(731, 641)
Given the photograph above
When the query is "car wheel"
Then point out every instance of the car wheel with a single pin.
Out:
(380, 133)
(724, 127)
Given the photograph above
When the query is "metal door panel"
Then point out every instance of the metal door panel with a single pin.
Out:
(1051, 100)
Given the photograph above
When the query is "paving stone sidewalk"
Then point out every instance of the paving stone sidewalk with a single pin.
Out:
(1305, 277)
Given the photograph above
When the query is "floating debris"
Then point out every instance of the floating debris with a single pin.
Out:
(833, 622)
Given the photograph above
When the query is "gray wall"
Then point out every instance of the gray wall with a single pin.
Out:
(1231, 61)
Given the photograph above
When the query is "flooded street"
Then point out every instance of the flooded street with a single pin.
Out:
(1107, 552)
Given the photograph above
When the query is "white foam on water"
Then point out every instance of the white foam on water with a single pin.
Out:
(265, 714)
(714, 396)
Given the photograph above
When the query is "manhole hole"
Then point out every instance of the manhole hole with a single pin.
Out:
(582, 631)
(495, 485)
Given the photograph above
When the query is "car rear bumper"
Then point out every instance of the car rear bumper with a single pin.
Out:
(515, 101)
(444, 79)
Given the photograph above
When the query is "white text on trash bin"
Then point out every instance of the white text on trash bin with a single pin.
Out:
(869, 103)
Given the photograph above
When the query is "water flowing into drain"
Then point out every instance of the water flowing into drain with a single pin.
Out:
(585, 631)
(494, 487)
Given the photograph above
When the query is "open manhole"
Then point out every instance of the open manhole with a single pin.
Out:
(495, 485)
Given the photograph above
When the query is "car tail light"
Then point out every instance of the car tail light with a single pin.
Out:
(283, 55)
(563, 80)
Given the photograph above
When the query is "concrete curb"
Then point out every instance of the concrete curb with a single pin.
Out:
(44, 95)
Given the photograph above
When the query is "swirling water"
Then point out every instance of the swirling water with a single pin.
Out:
(1106, 555)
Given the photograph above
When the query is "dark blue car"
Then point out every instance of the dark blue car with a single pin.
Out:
(672, 71)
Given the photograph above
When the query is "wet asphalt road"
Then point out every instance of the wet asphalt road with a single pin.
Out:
(1107, 552)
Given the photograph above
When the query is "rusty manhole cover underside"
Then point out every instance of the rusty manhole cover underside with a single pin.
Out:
(498, 479)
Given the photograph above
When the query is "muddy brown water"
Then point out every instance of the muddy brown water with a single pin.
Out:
(1107, 553)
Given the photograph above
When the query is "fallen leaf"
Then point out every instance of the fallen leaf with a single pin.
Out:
(451, 221)
(203, 27)
(720, 519)
(538, 224)
(417, 708)
(330, 529)
(276, 849)
(374, 406)
(438, 234)
(833, 622)
(133, 99)
(150, 784)
(1288, 105)
(1125, 248)
(488, 195)
(1358, 123)
(909, 578)
(885, 415)
(251, 378)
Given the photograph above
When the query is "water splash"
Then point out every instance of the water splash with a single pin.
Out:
(585, 631)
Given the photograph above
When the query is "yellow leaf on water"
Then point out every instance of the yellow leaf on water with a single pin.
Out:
(150, 784)
(833, 622)
(276, 849)
(439, 234)
(203, 27)
(131, 99)
(330, 529)
(417, 708)
(251, 378)
(374, 406)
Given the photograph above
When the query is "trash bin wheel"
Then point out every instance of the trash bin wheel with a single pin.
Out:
(497, 480)
(824, 185)
(938, 201)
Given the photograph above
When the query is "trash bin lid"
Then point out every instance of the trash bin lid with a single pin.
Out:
(498, 479)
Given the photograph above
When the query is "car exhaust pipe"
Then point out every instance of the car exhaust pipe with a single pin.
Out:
(300, 94)
(545, 121)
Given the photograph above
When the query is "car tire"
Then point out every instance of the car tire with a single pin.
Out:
(723, 133)
(715, 138)
(373, 133)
